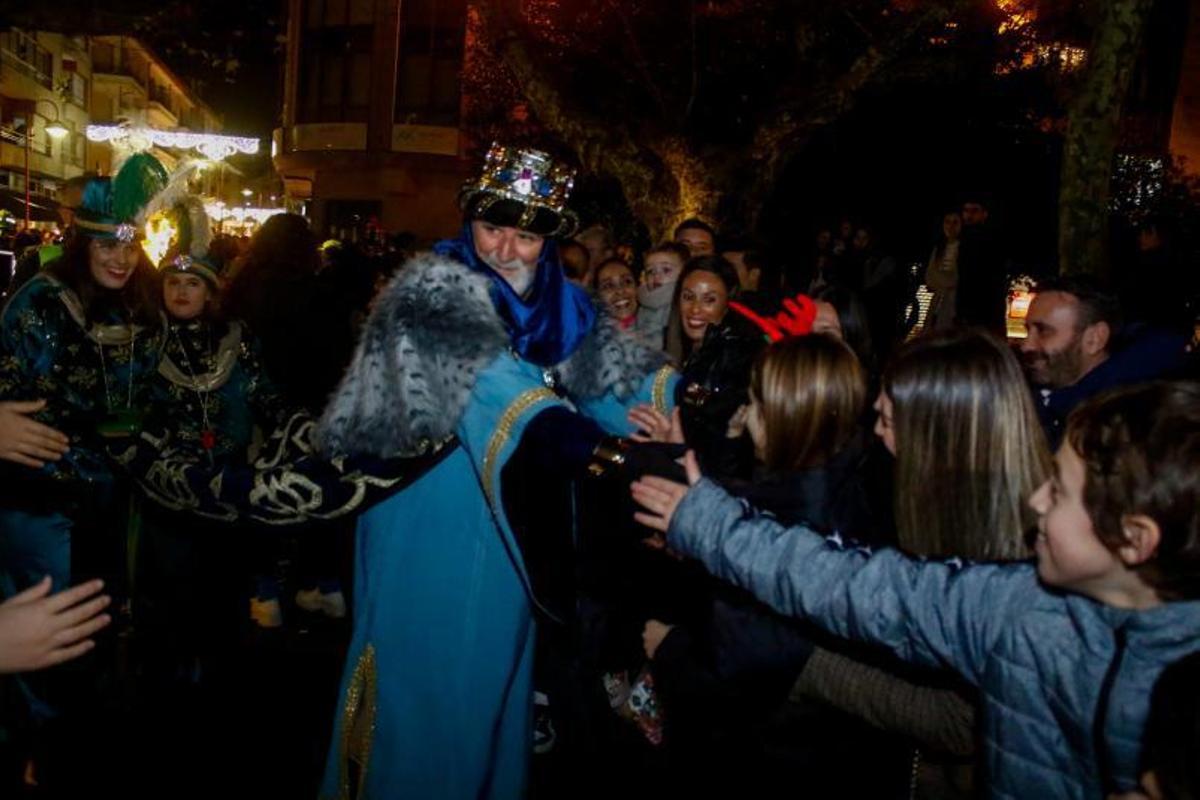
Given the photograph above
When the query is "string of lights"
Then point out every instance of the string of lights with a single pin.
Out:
(210, 145)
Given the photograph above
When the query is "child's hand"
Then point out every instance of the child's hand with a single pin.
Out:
(737, 423)
(653, 635)
(661, 497)
(38, 629)
(656, 541)
(655, 426)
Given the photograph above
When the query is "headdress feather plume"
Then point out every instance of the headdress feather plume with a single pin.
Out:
(173, 192)
(139, 178)
(194, 226)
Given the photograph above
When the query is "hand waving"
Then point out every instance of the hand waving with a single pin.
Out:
(38, 629)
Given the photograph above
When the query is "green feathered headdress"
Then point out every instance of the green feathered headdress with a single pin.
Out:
(111, 206)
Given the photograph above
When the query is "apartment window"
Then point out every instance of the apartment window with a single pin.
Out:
(21, 51)
(74, 86)
(104, 57)
(431, 53)
(335, 76)
(13, 180)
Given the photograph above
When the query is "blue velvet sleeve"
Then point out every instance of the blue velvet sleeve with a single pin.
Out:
(609, 411)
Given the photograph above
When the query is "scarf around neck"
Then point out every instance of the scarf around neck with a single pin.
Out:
(550, 323)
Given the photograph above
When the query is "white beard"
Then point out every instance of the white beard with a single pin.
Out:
(516, 272)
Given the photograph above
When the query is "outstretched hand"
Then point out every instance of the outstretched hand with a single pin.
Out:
(24, 440)
(655, 426)
(660, 497)
(38, 629)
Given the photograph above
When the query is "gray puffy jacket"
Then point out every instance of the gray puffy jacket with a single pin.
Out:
(1065, 680)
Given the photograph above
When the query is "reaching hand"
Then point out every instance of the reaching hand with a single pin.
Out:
(655, 426)
(661, 497)
(653, 635)
(38, 629)
(26, 441)
(737, 423)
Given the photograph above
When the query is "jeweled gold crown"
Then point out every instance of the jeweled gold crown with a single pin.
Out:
(526, 176)
(529, 176)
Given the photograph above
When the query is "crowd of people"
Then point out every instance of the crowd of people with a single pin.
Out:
(679, 519)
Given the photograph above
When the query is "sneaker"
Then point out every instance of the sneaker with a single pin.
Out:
(643, 708)
(266, 613)
(543, 727)
(331, 604)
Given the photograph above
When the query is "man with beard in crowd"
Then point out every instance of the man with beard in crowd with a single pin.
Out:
(484, 349)
(1078, 347)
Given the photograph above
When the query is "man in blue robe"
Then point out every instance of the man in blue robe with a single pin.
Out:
(474, 352)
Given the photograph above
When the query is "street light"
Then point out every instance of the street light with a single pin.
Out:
(54, 129)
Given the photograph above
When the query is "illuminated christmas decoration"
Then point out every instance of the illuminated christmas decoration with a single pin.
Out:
(243, 218)
(210, 145)
(159, 234)
(1137, 181)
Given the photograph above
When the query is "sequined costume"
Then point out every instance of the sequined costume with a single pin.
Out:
(87, 373)
(211, 389)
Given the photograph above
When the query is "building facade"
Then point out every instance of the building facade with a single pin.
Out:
(45, 82)
(371, 109)
(131, 84)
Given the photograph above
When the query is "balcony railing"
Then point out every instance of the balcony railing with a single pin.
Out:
(22, 52)
(12, 136)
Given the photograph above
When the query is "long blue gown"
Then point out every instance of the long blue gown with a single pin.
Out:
(436, 700)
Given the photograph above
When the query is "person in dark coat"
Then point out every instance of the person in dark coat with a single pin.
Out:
(982, 297)
(716, 347)
(723, 680)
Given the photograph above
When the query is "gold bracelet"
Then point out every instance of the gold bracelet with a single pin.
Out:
(609, 453)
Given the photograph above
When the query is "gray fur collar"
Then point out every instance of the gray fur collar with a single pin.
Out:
(431, 331)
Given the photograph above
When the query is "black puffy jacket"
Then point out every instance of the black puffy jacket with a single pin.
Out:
(715, 381)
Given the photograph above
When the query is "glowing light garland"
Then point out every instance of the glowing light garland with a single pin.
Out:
(220, 212)
(210, 145)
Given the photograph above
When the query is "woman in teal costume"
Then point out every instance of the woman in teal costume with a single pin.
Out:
(209, 393)
(472, 348)
(84, 335)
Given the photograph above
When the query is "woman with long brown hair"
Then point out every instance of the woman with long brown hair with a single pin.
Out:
(956, 413)
(83, 336)
(723, 679)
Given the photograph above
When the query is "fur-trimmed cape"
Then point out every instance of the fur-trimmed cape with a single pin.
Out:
(433, 328)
